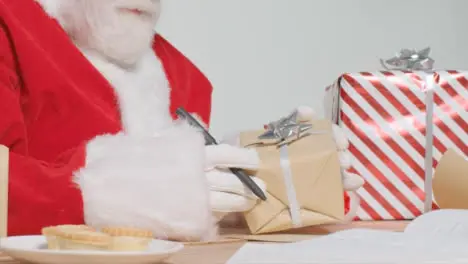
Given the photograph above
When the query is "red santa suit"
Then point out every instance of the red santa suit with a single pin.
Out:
(53, 104)
(94, 142)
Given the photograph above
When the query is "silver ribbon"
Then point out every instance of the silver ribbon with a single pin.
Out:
(281, 131)
(408, 59)
(285, 128)
(413, 60)
(429, 100)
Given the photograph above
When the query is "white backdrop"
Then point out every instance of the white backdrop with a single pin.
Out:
(264, 57)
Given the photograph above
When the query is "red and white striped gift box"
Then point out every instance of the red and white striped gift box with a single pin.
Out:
(384, 116)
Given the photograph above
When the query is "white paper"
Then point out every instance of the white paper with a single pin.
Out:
(447, 222)
(424, 241)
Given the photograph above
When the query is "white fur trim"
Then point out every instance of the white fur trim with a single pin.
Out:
(354, 204)
(51, 7)
(155, 183)
(143, 93)
(342, 142)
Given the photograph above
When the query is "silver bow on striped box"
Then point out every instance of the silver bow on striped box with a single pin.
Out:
(400, 121)
(410, 59)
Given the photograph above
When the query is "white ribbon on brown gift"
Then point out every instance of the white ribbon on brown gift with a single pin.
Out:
(281, 131)
(294, 207)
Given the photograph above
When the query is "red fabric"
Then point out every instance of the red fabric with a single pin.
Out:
(52, 101)
(346, 202)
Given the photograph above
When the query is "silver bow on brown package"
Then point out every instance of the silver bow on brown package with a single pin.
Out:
(300, 165)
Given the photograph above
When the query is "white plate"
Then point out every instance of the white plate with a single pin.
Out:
(33, 249)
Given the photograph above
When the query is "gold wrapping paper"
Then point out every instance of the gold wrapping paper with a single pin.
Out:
(316, 178)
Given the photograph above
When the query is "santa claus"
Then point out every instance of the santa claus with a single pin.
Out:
(87, 98)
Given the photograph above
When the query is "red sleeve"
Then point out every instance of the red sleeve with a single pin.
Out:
(200, 98)
(190, 88)
(199, 95)
(40, 194)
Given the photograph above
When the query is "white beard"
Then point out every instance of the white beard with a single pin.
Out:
(122, 38)
(107, 27)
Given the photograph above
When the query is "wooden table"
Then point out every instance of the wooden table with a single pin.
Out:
(220, 253)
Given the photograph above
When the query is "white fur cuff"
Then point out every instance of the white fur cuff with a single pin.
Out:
(153, 183)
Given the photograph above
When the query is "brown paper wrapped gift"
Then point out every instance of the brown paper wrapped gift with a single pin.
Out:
(450, 181)
(315, 176)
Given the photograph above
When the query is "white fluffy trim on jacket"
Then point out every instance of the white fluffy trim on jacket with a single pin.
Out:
(154, 183)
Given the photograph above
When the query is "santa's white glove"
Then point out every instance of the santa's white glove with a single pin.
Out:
(227, 193)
